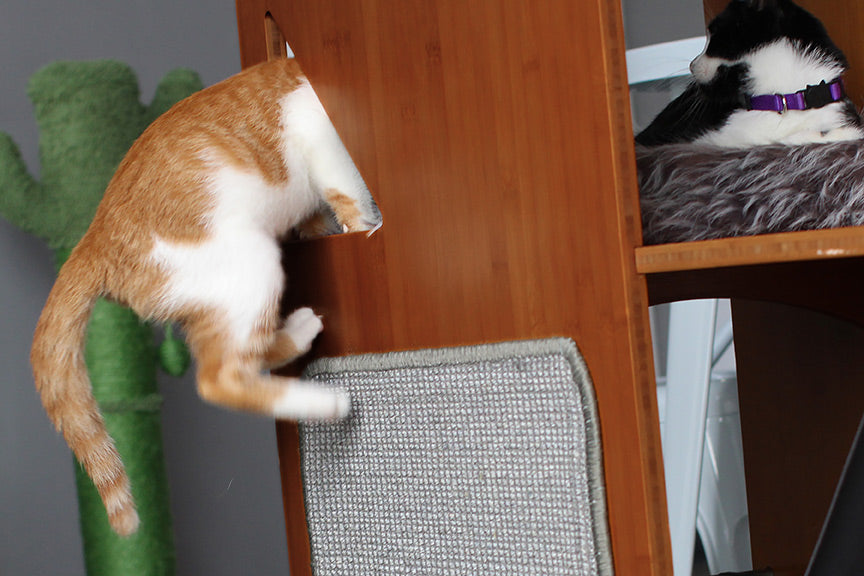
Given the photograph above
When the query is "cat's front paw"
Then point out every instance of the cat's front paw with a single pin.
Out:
(353, 215)
(303, 326)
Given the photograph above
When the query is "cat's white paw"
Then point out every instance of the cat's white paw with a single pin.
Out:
(304, 400)
(303, 326)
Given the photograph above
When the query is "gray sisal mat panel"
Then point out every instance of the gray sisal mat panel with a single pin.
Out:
(481, 460)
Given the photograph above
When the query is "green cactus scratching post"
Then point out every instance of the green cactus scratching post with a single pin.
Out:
(88, 114)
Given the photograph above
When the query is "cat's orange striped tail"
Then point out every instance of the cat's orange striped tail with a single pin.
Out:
(57, 357)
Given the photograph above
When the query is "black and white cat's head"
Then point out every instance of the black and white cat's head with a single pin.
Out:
(780, 47)
(761, 55)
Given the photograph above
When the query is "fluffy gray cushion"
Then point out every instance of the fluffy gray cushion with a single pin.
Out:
(699, 192)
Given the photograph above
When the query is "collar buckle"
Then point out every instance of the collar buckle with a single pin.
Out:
(811, 97)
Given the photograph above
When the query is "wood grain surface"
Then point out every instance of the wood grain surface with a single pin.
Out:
(801, 399)
(495, 136)
(831, 244)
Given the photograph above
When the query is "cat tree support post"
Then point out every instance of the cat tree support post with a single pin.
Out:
(89, 114)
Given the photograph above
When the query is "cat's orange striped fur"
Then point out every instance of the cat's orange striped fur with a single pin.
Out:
(188, 231)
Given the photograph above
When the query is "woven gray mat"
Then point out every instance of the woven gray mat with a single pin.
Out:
(481, 460)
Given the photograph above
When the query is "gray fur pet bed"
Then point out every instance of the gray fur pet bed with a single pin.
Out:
(698, 192)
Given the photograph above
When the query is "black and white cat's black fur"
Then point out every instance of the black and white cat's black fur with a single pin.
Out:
(758, 47)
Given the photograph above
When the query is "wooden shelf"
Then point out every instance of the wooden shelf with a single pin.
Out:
(751, 250)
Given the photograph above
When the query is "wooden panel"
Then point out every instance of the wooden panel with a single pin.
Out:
(844, 20)
(501, 157)
(750, 250)
(800, 394)
(829, 286)
(713, 8)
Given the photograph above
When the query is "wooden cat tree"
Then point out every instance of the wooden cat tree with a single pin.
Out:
(496, 137)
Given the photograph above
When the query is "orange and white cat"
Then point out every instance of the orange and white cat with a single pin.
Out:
(188, 231)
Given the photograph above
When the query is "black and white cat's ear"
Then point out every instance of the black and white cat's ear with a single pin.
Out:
(765, 4)
(757, 4)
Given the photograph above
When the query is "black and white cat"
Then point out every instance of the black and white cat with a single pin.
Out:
(769, 74)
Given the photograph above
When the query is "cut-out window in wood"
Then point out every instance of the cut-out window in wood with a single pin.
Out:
(276, 45)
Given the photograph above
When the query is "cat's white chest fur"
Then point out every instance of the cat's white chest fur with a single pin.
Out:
(757, 128)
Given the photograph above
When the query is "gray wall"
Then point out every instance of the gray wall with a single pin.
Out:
(652, 21)
(222, 467)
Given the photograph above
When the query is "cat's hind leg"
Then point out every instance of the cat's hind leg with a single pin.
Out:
(231, 376)
(225, 292)
(233, 347)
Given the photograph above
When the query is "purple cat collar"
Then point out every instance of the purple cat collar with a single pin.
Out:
(811, 97)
